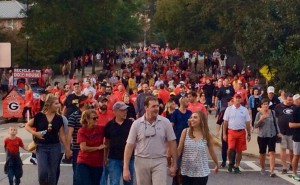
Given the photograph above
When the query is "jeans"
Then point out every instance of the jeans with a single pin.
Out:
(74, 164)
(48, 156)
(115, 171)
(58, 168)
(14, 171)
(88, 175)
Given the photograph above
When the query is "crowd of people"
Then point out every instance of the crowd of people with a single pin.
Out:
(148, 121)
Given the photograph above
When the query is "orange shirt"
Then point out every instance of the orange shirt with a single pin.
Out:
(104, 118)
(197, 107)
(164, 95)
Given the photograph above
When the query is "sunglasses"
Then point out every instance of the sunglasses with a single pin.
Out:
(150, 131)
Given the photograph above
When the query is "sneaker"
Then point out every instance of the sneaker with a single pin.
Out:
(273, 175)
(33, 161)
(263, 172)
(284, 171)
(223, 165)
(237, 170)
(295, 177)
(230, 167)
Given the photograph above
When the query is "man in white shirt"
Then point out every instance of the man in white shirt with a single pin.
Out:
(236, 120)
(89, 89)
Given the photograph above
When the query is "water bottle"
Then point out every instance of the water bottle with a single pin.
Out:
(43, 133)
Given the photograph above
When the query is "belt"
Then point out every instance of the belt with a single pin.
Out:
(150, 157)
(239, 130)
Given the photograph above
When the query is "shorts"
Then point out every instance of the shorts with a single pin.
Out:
(237, 140)
(296, 148)
(264, 142)
(286, 142)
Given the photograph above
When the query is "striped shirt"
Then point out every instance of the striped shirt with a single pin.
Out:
(74, 122)
(194, 158)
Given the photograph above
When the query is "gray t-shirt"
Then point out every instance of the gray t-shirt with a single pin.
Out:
(150, 139)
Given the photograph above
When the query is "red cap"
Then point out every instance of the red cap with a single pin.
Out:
(86, 101)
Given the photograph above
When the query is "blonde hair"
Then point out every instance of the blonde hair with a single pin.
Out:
(168, 105)
(85, 116)
(203, 127)
(50, 99)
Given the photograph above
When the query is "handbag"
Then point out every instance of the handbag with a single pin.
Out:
(278, 139)
(31, 146)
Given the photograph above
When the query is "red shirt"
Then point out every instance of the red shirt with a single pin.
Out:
(105, 117)
(93, 137)
(197, 107)
(133, 98)
(164, 95)
(12, 145)
(28, 98)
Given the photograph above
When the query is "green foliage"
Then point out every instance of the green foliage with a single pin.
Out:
(262, 32)
(58, 26)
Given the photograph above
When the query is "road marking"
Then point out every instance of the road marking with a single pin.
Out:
(252, 165)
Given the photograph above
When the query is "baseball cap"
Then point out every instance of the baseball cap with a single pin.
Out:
(120, 106)
(84, 100)
(237, 96)
(296, 96)
(270, 89)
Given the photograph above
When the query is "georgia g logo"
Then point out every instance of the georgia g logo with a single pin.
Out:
(13, 106)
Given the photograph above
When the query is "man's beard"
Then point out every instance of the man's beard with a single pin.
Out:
(103, 107)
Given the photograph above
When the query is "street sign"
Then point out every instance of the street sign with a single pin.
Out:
(267, 72)
(5, 55)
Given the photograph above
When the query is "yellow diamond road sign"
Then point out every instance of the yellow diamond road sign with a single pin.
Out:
(267, 72)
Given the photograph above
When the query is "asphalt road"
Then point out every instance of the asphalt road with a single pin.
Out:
(249, 167)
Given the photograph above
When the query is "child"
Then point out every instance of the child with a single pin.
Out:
(13, 165)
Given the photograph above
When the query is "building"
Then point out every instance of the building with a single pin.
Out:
(12, 15)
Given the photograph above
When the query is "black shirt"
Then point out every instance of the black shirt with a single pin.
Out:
(296, 119)
(274, 102)
(72, 103)
(225, 93)
(284, 114)
(130, 111)
(41, 123)
(208, 90)
(117, 134)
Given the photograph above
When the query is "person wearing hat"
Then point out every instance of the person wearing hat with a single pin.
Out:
(284, 113)
(273, 99)
(219, 123)
(116, 132)
(236, 122)
(104, 114)
(295, 124)
(73, 127)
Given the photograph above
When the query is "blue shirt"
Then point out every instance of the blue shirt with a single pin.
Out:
(180, 121)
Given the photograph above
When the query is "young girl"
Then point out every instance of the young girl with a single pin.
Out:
(192, 146)
(13, 165)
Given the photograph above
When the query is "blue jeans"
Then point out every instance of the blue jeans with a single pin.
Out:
(74, 163)
(13, 171)
(115, 171)
(88, 175)
(48, 156)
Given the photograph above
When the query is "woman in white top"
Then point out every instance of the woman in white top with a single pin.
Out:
(192, 145)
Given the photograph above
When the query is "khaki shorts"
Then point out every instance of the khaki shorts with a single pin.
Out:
(296, 148)
(286, 142)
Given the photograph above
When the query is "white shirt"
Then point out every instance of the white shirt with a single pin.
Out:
(236, 117)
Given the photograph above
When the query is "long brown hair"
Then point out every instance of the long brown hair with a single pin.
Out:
(203, 127)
